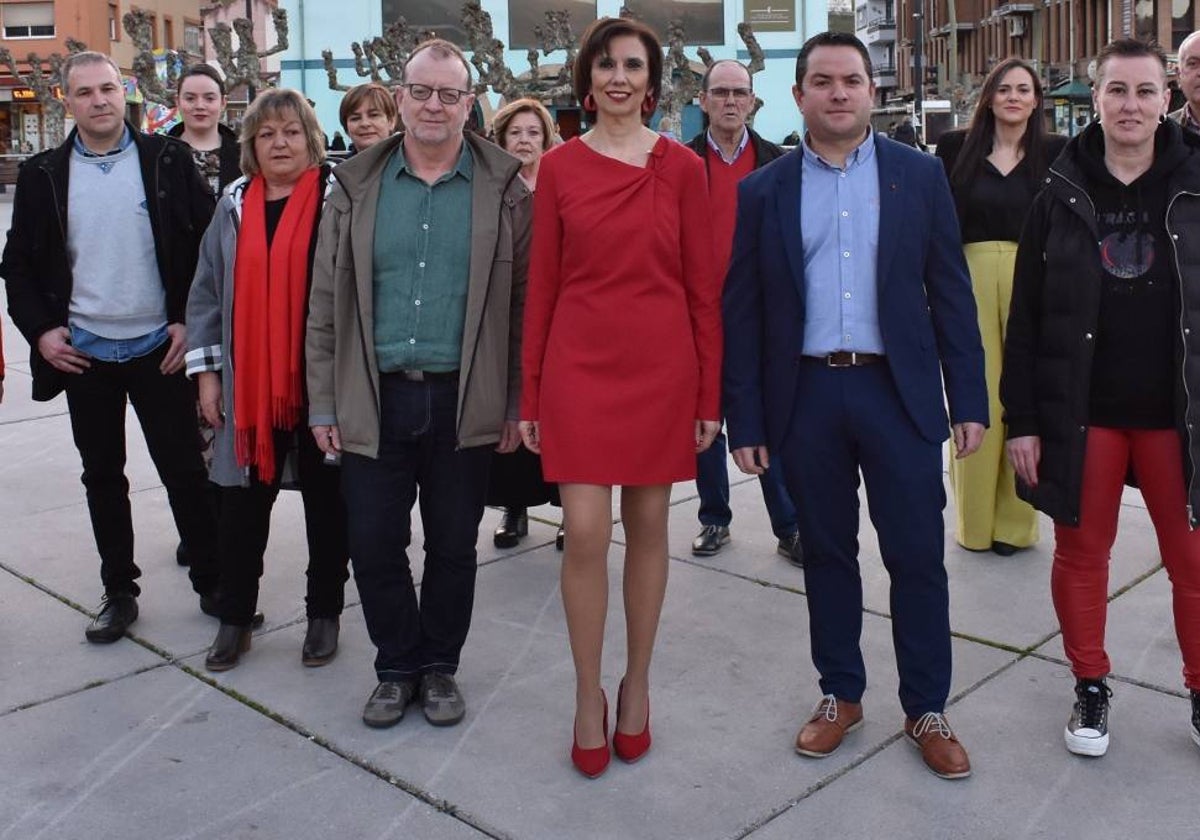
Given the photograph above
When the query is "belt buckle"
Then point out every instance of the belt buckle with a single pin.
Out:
(829, 360)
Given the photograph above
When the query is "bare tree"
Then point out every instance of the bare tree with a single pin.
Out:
(243, 66)
(380, 59)
(42, 77)
(140, 26)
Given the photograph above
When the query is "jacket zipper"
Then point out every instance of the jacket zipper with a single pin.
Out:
(1187, 411)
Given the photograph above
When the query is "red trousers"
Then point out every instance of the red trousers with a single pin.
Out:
(1079, 580)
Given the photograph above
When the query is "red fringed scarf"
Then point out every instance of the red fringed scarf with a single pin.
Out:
(270, 298)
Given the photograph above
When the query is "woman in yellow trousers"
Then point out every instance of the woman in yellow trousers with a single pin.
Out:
(996, 166)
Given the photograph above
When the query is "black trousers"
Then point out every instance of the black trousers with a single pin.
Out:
(245, 526)
(166, 409)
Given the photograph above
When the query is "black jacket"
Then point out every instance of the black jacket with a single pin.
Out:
(231, 154)
(764, 150)
(1046, 380)
(37, 268)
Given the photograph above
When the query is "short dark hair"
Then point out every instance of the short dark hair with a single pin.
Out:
(206, 70)
(829, 39)
(594, 43)
(709, 71)
(373, 93)
(1129, 48)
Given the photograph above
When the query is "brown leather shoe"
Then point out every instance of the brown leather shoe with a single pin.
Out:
(831, 720)
(943, 754)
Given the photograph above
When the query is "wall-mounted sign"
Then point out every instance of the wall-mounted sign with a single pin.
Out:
(527, 14)
(703, 20)
(770, 15)
(441, 16)
(23, 95)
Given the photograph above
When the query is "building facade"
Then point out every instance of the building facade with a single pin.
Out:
(962, 39)
(319, 26)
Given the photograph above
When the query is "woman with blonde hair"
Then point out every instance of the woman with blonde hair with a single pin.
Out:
(525, 130)
(246, 319)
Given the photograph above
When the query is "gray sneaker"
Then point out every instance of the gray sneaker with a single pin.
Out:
(440, 698)
(385, 707)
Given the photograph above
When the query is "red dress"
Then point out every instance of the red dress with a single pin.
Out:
(622, 342)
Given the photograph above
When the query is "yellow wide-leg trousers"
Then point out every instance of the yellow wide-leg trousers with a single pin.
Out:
(985, 497)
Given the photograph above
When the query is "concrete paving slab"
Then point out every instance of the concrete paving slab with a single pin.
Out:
(163, 755)
(1025, 783)
(732, 684)
(45, 654)
(1140, 636)
(63, 558)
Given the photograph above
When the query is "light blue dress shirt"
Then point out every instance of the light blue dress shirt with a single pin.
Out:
(839, 227)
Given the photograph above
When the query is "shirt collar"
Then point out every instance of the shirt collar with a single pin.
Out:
(126, 141)
(737, 153)
(1189, 120)
(861, 154)
(465, 166)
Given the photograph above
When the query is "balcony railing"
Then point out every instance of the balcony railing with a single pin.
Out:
(877, 23)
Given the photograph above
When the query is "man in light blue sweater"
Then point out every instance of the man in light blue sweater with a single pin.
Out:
(98, 262)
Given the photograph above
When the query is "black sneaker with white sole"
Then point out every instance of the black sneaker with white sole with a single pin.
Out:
(1087, 730)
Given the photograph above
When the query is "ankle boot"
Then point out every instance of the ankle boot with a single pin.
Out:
(232, 641)
(514, 526)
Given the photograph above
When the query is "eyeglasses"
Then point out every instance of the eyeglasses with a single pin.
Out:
(448, 96)
(740, 94)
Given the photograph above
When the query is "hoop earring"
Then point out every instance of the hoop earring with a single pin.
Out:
(589, 103)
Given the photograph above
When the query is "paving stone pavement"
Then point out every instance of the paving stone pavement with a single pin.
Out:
(137, 740)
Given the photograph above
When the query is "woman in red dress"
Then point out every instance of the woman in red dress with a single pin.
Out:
(622, 357)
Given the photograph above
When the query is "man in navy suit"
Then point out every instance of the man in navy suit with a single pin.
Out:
(847, 304)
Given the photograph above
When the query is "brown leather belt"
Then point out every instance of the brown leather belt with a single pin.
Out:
(426, 375)
(847, 358)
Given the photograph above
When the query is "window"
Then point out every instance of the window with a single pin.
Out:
(168, 33)
(193, 39)
(27, 20)
(114, 22)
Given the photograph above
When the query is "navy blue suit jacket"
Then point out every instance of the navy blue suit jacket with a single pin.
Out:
(926, 306)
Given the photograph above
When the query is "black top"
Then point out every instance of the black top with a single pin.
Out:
(274, 212)
(992, 207)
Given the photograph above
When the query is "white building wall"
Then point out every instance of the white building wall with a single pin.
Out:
(319, 24)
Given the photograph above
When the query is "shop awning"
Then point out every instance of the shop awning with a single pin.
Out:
(1076, 90)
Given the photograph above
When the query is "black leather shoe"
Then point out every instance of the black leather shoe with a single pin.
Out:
(320, 642)
(791, 548)
(510, 530)
(710, 540)
(117, 612)
(232, 641)
(560, 539)
(1004, 549)
(209, 606)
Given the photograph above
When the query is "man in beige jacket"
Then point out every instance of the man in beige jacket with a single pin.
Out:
(1189, 83)
(413, 350)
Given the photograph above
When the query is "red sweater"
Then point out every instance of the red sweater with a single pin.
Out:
(722, 199)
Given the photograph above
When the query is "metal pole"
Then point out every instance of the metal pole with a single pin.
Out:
(250, 91)
(919, 74)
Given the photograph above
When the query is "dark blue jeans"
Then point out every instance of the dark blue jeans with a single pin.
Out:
(166, 409)
(417, 451)
(712, 482)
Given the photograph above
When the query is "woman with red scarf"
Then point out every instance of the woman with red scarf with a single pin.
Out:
(245, 318)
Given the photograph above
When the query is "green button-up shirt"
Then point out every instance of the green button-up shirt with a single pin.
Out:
(421, 266)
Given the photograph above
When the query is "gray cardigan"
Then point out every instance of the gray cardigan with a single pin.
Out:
(210, 327)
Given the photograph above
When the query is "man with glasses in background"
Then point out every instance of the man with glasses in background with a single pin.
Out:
(415, 314)
(731, 150)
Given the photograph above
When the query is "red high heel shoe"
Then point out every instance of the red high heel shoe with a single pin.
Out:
(629, 748)
(593, 761)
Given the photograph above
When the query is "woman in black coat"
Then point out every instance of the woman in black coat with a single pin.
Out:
(1102, 364)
